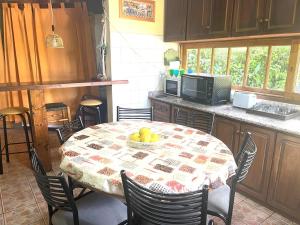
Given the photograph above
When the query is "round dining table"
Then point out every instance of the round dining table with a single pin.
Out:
(184, 160)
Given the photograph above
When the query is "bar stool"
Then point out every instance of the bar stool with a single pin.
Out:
(16, 111)
(90, 103)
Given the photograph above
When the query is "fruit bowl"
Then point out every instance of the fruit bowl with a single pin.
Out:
(143, 145)
(144, 139)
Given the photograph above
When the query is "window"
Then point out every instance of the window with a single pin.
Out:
(297, 88)
(254, 66)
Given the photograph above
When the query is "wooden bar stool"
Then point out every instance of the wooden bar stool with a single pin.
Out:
(90, 103)
(16, 111)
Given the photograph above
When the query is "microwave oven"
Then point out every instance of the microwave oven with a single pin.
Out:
(206, 89)
(172, 86)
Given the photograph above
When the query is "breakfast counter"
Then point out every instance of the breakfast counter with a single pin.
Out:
(291, 126)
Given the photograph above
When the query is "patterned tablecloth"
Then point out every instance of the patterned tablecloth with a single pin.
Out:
(185, 160)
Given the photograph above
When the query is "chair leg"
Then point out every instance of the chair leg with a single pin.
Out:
(5, 139)
(26, 134)
(30, 125)
(99, 114)
(81, 109)
(1, 165)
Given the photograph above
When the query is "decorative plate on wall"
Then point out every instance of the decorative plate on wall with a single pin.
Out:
(137, 10)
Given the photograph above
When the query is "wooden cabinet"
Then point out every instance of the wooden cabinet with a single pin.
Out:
(248, 17)
(232, 134)
(175, 20)
(282, 16)
(228, 131)
(161, 111)
(209, 19)
(203, 19)
(257, 180)
(181, 115)
(284, 185)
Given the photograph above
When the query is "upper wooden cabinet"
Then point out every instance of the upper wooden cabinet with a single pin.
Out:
(285, 179)
(203, 19)
(175, 20)
(282, 16)
(248, 17)
(209, 19)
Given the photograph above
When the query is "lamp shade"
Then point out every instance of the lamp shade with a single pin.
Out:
(54, 41)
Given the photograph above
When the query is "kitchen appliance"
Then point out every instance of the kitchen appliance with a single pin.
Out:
(206, 89)
(244, 100)
(172, 85)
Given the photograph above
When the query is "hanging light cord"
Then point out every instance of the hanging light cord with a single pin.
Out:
(52, 16)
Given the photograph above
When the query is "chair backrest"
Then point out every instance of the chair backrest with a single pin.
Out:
(245, 158)
(199, 120)
(68, 129)
(54, 189)
(134, 114)
(36, 163)
(158, 208)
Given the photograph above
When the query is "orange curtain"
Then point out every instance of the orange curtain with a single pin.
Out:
(24, 57)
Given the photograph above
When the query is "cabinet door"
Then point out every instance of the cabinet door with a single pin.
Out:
(181, 115)
(220, 18)
(284, 185)
(228, 132)
(282, 16)
(257, 180)
(175, 20)
(196, 22)
(248, 17)
(161, 111)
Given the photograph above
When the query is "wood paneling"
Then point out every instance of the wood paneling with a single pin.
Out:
(228, 132)
(257, 180)
(175, 20)
(248, 17)
(284, 185)
(161, 111)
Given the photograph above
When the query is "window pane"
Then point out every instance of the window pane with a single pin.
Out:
(237, 65)
(205, 60)
(192, 60)
(257, 67)
(220, 61)
(279, 67)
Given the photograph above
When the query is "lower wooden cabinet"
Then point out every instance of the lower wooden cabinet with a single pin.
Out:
(284, 192)
(257, 180)
(161, 111)
(228, 131)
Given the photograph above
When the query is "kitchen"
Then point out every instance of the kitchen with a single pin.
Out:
(234, 63)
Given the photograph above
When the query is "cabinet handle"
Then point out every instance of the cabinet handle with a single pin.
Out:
(260, 20)
(242, 133)
(267, 20)
(237, 132)
(207, 27)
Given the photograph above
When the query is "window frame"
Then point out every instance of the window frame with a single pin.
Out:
(288, 94)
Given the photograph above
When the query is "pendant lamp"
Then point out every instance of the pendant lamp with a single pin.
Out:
(53, 40)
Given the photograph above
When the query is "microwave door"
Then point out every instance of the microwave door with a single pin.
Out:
(194, 87)
(171, 87)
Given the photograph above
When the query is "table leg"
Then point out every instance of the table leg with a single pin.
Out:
(39, 126)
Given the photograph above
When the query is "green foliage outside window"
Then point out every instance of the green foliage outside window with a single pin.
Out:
(237, 65)
(220, 61)
(257, 66)
(192, 55)
(205, 60)
(279, 67)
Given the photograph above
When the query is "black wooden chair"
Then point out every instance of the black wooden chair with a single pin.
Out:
(134, 114)
(68, 129)
(63, 209)
(221, 200)
(148, 207)
(199, 120)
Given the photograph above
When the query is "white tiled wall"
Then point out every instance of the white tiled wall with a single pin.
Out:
(137, 58)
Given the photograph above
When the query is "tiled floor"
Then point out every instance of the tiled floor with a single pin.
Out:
(21, 202)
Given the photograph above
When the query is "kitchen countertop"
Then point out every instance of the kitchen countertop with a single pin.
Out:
(291, 126)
